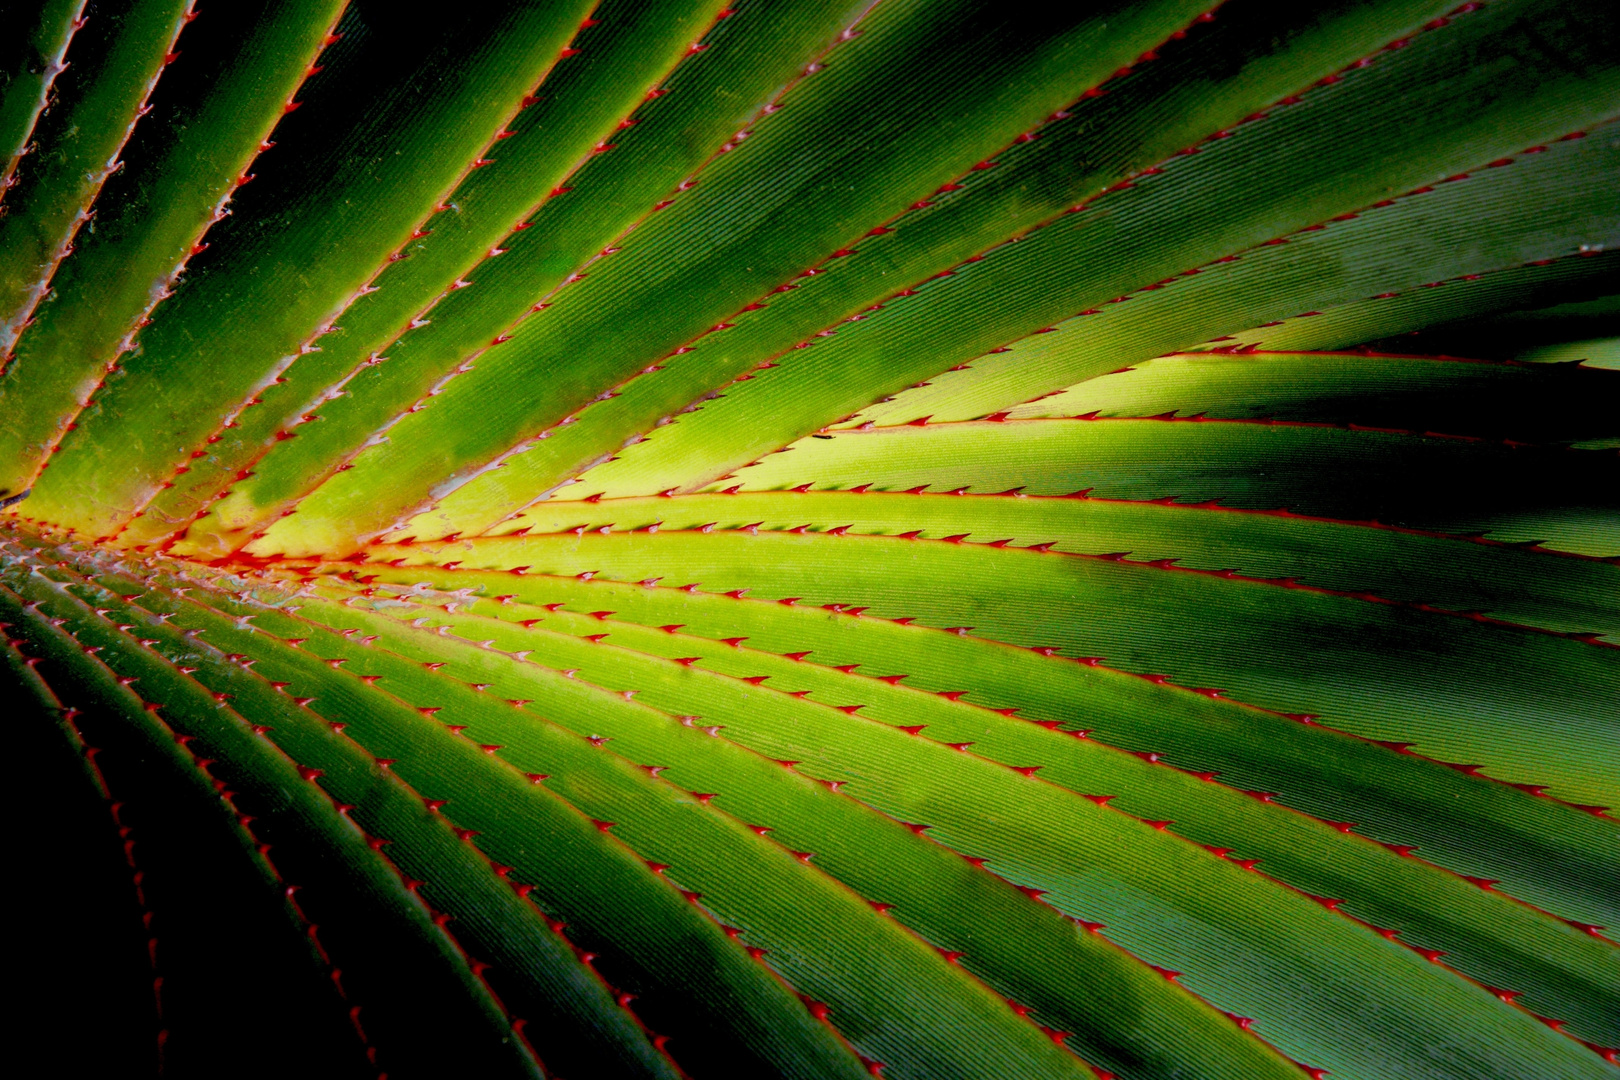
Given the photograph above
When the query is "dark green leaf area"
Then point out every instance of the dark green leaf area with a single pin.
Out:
(1525, 403)
(719, 1009)
(86, 947)
(1034, 837)
(1522, 327)
(1516, 584)
(953, 904)
(229, 953)
(1459, 310)
(824, 939)
(1553, 855)
(1307, 274)
(568, 1014)
(1531, 702)
(1565, 498)
(1560, 969)
(369, 928)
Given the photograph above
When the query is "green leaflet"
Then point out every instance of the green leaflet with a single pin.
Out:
(990, 303)
(1536, 331)
(1337, 663)
(1364, 253)
(1592, 318)
(1542, 404)
(1486, 938)
(1515, 584)
(1203, 78)
(624, 52)
(1515, 494)
(1094, 864)
(1026, 951)
(77, 142)
(824, 939)
(568, 1014)
(1397, 317)
(1545, 852)
(719, 1009)
(907, 105)
(747, 60)
(184, 164)
(324, 222)
(37, 39)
